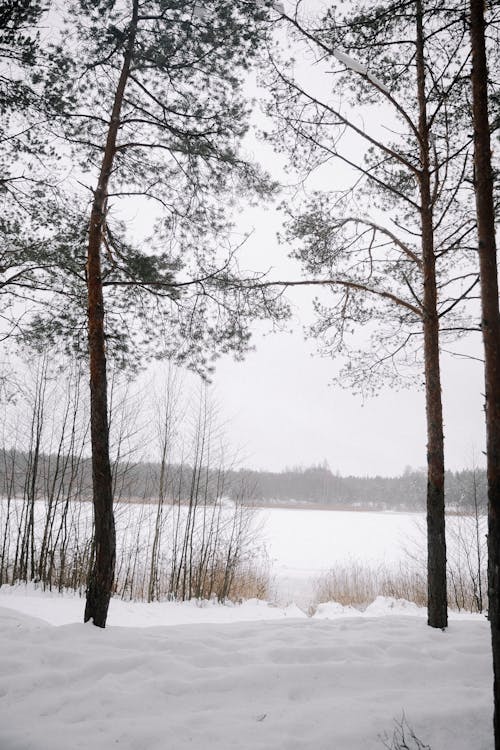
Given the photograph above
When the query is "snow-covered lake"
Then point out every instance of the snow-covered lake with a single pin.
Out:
(315, 539)
(302, 544)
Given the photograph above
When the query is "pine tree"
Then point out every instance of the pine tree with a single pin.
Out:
(396, 249)
(145, 101)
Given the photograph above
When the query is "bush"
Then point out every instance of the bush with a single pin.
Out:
(403, 738)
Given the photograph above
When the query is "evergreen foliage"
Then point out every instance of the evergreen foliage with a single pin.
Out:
(367, 240)
(398, 259)
(172, 285)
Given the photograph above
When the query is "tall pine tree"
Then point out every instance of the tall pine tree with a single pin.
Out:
(396, 249)
(144, 100)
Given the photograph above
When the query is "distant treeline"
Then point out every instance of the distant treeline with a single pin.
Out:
(50, 476)
(319, 485)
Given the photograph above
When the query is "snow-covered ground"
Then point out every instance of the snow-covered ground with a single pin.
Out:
(249, 677)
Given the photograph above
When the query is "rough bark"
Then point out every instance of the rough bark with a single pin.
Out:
(101, 577)
(490, 325)
(437, 612)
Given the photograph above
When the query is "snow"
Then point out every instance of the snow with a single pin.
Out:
(304, 544)
(383, 606)
(63, 609)
(349, 62)
(249, 677)
(378, 83)
(300, 544)
(314, 540)
(200, 12)
(357, 67)
(277, 6)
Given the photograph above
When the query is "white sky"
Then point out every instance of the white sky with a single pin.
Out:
(280, 411)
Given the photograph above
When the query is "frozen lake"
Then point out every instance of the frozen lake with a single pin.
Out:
(302, 544)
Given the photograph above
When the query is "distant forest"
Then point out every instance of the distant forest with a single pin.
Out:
(319, 485)
(67, 476)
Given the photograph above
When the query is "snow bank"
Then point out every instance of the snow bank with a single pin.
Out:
(354, 65)
(63, 609)
(288, 684)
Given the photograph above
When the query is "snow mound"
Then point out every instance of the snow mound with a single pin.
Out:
(388, 605)
(288, 684)
(66, 608)
(332, 610)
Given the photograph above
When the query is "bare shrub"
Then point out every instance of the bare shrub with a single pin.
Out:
(403, 738)
(251, 581)
(211, 556)
(467, 564)
(43, 481)
(358, 585)
(466, 544)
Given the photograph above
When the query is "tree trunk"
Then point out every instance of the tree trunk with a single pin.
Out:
(490, 325)
(101, 577)
(437, 608)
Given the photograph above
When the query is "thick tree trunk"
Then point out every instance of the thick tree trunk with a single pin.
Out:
(437, 612)
(102, 574)
(437, 609)
(101, 577)
(490, 327)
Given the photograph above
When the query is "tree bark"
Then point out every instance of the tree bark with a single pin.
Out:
(437, 608)
(101, 577)
(490, 325)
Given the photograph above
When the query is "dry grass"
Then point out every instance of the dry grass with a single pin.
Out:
(234, 581)
(358, 585)
(251, 581)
